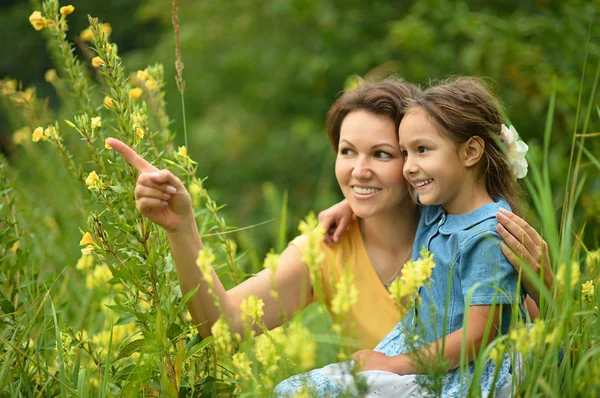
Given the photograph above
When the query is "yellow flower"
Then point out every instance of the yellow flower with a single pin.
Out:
(587, 289)
(592, 262)
(575, 273)
(139, 132)
(266, 352)
(414, 274)
(182, 151)
(204, 261)
(22, 135)
(242, 365)
(300, 346)
(37, 135)
(108, 102)
(551, 337)
(97, 62)
(13, 249)
(106, 28)
(106, 144)
(135, 93)
(66, 10)
(346, 294)
(142, 74)
(85, 262)
(252, 307)
(87, 250)
(313, 255)
(37, 21)
(86, 240)
(50, 75)
(151, 84)
(86, 35)
(93, 181)
(98, 277)
(96, 122)
(222, 338)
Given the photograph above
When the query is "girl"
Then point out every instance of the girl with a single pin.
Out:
(461, 162)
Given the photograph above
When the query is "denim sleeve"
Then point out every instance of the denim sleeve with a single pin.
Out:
(482, 261)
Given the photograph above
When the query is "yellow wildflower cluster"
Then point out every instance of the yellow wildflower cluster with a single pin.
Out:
(93, 182)
(587, 290)
(527, 338)
(222, 336)
(313, 255)
(300, 346)
(267, 351)
(346, 294)
(135, 93)
(271, 263)
(85, 262)
(88, 242)
(242, 366)
(38, 21)
(66, 10)
(497, 352)
(575, 274)
(252, 309)
(414, 274)
(195, 191)
(96, 122)
(146, 78)
(87, 35)
(205, 260)
(592, 263)
(138, 122)
(99, 277)
(119, 334)
(182, 151)
(21, 136)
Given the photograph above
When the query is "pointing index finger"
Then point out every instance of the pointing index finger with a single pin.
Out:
(131, 156)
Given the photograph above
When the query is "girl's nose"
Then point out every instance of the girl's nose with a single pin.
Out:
(362, 169)
(410, 166)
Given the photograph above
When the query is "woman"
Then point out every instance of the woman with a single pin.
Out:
(363, 129)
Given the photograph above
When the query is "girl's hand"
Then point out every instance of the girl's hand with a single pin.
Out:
(335, 220)
(371, 360)
(522, 243)
(159, 195)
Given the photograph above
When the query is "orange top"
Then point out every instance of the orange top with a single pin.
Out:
(375, 312)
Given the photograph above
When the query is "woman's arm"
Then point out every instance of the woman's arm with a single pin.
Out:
(478, 317)
(162, 198)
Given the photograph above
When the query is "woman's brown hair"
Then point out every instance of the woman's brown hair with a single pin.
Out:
(464, 107)
(386, 97)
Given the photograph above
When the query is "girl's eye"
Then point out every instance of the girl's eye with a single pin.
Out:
(405, 153)
(423, 149)
(346, 151)
(382, 155)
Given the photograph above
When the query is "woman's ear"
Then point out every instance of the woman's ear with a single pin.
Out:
(472, 151)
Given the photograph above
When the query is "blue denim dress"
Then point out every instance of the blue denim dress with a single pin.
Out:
(466, 248)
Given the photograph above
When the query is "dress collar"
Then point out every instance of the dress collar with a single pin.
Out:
(460, 222)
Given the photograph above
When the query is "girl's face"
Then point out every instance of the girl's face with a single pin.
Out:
(432, 164)
(369, 164)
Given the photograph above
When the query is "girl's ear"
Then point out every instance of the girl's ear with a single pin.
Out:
(472, 151)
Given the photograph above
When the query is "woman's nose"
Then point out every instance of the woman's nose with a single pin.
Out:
(362, 169)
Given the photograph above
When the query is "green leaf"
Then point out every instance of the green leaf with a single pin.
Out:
(130, 348)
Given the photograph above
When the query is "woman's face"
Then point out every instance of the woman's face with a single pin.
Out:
(369, 164)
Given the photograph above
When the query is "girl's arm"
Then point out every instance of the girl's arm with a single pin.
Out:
(162, 198)
(335, 220)
(403, 364)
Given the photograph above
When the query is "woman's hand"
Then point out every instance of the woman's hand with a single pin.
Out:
(335, 220)
(159, 195)
(521, 244)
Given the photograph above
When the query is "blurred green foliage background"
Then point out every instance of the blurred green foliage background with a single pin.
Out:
(260, 76)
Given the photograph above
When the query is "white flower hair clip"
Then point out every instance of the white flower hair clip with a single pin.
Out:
(516, 149)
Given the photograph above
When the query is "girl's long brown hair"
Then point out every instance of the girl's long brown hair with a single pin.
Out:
(464, 107)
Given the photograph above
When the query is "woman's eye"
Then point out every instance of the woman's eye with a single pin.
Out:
(346, 151)
(423, 149)
(382, 155)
